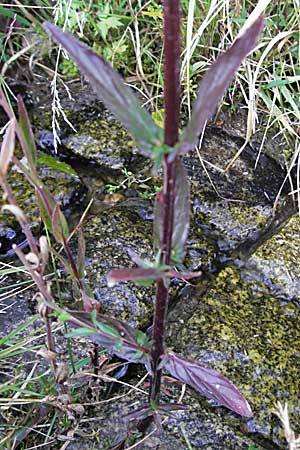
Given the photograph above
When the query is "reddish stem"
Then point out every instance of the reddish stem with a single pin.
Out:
(172, 41)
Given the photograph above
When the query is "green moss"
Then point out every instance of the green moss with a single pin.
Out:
(250, 336)
(61, 185)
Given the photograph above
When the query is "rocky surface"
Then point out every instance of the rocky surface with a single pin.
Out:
(242, 318)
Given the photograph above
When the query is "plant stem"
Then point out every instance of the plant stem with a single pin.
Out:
(172, 106)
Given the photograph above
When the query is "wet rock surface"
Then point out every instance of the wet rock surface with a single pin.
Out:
(67, 190)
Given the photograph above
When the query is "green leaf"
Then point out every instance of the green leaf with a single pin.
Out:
(60, 227)
(119, 347)
(215, 82)
(7, 12)
(106, 23)
(94, 317)
(45, 199)
(81, 332)
(14, 333)
(158, 153)
(111, 90)
(138, 355)
(53, 163)
(64, 316)
(114, 335)
(142, 339)
(108, 329)
(27, 136)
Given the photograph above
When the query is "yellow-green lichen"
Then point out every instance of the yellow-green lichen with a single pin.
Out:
(252, 337)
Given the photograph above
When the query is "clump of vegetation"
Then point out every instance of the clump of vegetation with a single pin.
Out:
(172, 204)
(171, 225)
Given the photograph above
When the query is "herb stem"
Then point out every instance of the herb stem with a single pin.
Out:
(172, 106)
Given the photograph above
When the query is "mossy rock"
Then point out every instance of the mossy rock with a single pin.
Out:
(250, 335)
(67, 190)
(108, 237)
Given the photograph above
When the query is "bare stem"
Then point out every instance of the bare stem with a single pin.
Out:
(172, 107)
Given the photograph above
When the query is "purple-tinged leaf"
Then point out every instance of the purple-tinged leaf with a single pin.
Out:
(136, 274)
(148, 410)
(181, 215)
(111, 90)
(114, 335)
(208, 382)
(215, 82)
(81, 253)
(141, 274)
(145, 263)
(60, 227)
(183, 275)
(89, 303)
(46, 203)
(166, 408)
(26, 135)
(7, 148)
(140, 413)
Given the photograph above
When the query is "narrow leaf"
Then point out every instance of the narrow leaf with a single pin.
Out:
(7, 148)
(111, 90)
(140, 413)
(183, 275)
(81, 331)
(215, 82)
(53, 163)
(136, 274)
(27, 137)
(81, 253)
(108, 329)
(145, 263)
(181, 215)
(46, 205)
(158, 220)
(208, 382)
(59, 225)
(114, 335)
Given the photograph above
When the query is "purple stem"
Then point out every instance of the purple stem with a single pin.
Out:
(172, 40)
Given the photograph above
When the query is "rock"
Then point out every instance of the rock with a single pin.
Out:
(108, 236)
(99, 138)
(193, 428)
(67, 190)
(242, 318)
